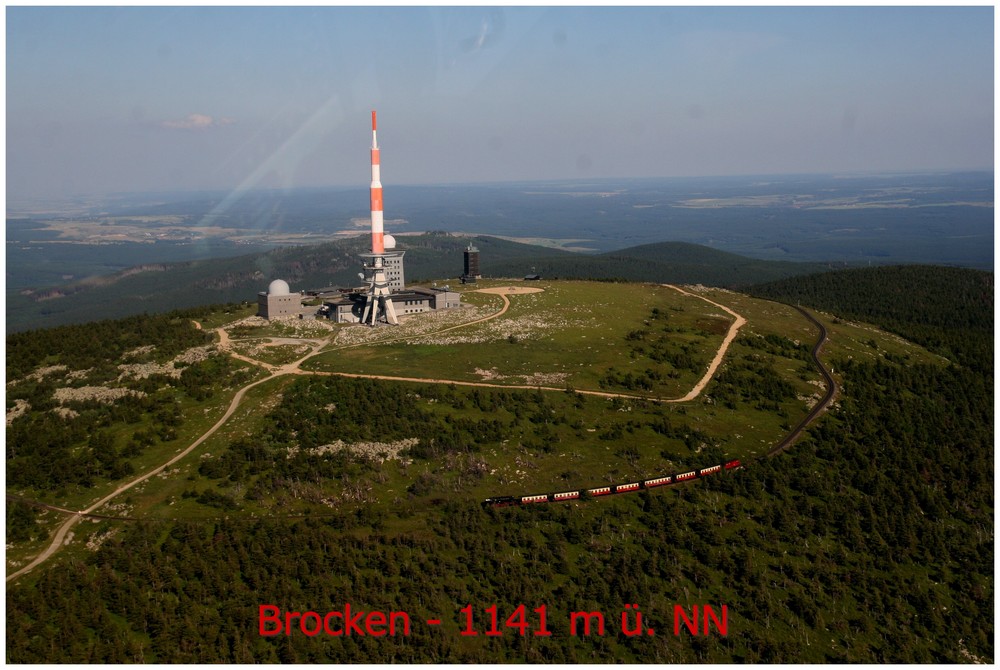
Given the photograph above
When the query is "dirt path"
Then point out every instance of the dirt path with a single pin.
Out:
(734, 329)
(527, 387)
(401, 338)
(494, 315)
(225, 344)
(738, 322)
(831, 393)
(57, 541)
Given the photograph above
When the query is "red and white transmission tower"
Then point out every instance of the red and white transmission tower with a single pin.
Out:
(378, 300)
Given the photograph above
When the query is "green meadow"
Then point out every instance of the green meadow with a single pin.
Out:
(571, 334)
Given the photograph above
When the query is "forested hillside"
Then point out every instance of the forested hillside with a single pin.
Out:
(947, 309)
(155, 288)
(64, 430)
(870, 540)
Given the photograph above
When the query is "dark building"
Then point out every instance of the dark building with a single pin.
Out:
(471, 273)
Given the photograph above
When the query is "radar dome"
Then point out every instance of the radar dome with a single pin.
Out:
(389, 242)
(278, 287)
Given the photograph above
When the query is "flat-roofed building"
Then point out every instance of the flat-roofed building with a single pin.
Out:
(417, 300)
(344, 309)
(392, 261)
(278, 301)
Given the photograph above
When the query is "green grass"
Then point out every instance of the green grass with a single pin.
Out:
(846, 338)
(775, 540)
(217, 319)
(590, 441)
(268, 352)
(161, 497)
(569, 335)
(573, 454)
(199, 416)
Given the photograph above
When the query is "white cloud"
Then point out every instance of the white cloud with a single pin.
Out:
(197, 122)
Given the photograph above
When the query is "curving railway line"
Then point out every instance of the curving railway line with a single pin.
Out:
(627, 487)
(831, 388)
(697, 473)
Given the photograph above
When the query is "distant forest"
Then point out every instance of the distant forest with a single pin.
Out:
(433, 256)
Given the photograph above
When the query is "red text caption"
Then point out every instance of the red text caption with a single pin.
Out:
(696, 620)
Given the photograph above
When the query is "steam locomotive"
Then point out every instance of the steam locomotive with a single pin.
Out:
(504, 501)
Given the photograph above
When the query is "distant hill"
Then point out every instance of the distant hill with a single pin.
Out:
(670, 262)
(159, 287)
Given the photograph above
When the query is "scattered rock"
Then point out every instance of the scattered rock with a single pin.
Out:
(377, 451)
(19, 408)
(98, 393)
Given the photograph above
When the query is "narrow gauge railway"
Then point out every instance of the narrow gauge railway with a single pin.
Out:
(821, 406)
(665, 480)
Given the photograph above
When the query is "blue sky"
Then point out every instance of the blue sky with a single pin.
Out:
(152, 99)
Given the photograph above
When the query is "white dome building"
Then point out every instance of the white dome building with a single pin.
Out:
(278, 301)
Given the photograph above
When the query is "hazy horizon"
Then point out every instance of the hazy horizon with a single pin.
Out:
(579, 181)
(163, 99)
(888, 217)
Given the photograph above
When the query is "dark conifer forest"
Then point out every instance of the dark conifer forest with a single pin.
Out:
(949, 310)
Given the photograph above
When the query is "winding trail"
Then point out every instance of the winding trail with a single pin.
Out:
(61, 533)
(734, 329)
(225, 344)
(402, 338)
(793, 435)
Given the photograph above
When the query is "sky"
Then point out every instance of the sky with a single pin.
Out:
(127, 99)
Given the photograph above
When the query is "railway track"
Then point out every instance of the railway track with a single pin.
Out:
(638, 485)
(831, 389)
(781, 446)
